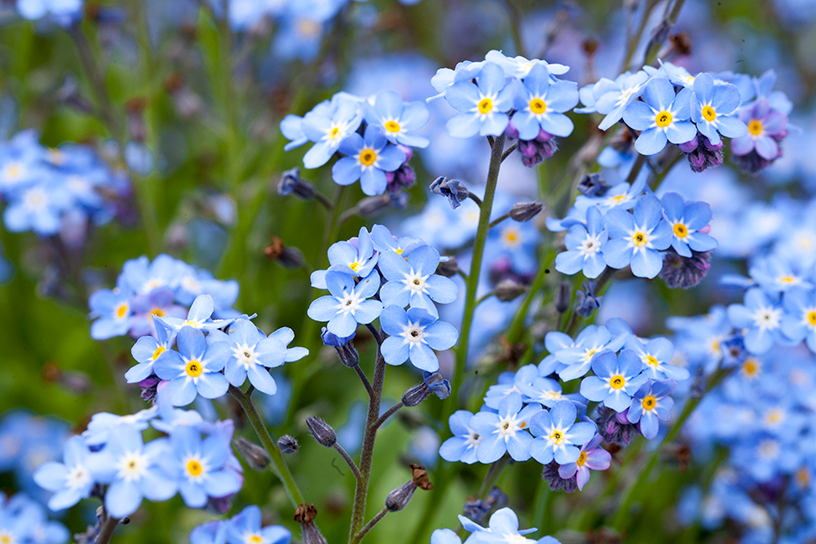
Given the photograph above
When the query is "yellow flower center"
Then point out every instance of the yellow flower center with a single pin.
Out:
(617, 382)
(334, 133)
(708, 113)
(194, 369)
(392, 126)
(537, 105)
(663, 119)
(750, 367)
(367, 157)
(581, 459)
(755, 127)
(485, 105)
(399, 251)
(6, 538)
(156, 311)
(651, 360)
(355, 266)
(639, 238)
(648, 402)
(680, 230)
(255, 539)
(557, 437)
(159, 351)
(787, 279)
(194, 468)
(121, 310)
(811, 317)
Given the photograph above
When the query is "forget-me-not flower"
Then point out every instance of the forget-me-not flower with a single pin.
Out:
(655, 355)
(147, 350)
(245, 528)
(714, 109)
(199, 465)
(557, 434)
(462, 445)
(399, 120)
(584, 247)
(112, 310)
(349, 304)
(650, 403)
(415, 334)
(661, 117)
(588, 344)
(411, 280)
(328, 126)
(484, 105)
(686, 219)
(355, 257)
(799, 320)
(762, 316)
(367, 158)
(540, 105)
(70, 480)
(616, 379)
(612, 97)
(592, 456)
(505, 431)
(636, 238)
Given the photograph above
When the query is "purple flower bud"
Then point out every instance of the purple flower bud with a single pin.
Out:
(288, 444)
(557, 483)
(255, 456)
(511, 131)
(691, 145)
(321, 431)
(684, 272)
(149, 386)
(524, 211)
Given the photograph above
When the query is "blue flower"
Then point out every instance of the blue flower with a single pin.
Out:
(415, 334)
(212, 532)
(503, 527)
(714, 109)
(112, 311)
(384, 241)
(411, 280)
(195, 369)
(540, 105)
(102, 423)
(132, 471)
(588, 344)
(505, 431)
(71, 480)
(200, 466)
(147, 350)
(635, 239)
(143, 276)
(686, 220)
(398, 119)
(347, 306)
(799, 320)
(328, 124)
(462, 445)
(584, 245)
(661, 117)
(592, 456)
(612, 97)
(762, 317)
(484, 105)
(557, 434)
(545, 391)
(519, 67)
(246, 528)
(252, 354)
(616, 379)
(651, 403)
(198, 317)
(38, 208)
(655, 355)
(64, 12)
(367, 159)
(510, 382)
(355, 257)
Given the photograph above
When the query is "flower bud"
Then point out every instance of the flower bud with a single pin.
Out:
(255, 456)
(593, 185)
(149, 387)
(433, 383)
(292, 183)
(372, 205)
(562, 297)
(321, 431)
(524, 211)
(684, 272)
(415, 395)
(345, 349)
(453, 189)
(402, 178)
(289, 258)
(398, 498)
(288, 444)
(448, 268)
(691, 145)
(585, 301)
(509, 289)
(68, 94)
(305, 515)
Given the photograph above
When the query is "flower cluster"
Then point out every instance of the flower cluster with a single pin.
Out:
(64, 191)
(669, 105)
(376, 275)
(25, 520)
(515, 96)
(160, 288)
(374, 137)
(194, 459)
(527, 414)
(603, 232)
(243, 527)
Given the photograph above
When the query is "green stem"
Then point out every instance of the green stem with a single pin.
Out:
(107, 528)
(633, 41)
(654, 45)
(279, 464)
(370, 525)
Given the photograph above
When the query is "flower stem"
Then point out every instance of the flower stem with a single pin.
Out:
(280, 466)
(370, 525)
(106, 529)
(388, 413)
(347, 458)
(517, 325)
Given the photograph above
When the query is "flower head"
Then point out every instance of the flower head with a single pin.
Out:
(367, 158)
(661, 117)
(616, 379)
(348, 304)
(558, 436)
(415, 334)
(484, 104)
(540, 104)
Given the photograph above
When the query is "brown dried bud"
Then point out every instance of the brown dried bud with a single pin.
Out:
(305, 515)
(288, 257)
(420, 477)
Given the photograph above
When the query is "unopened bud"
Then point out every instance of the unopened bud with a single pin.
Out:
(288, 444)
(593, 185)
(373, 205)
(69, 94)
(524, 211)
(448, 268)
(453, 189)
(585, 301)
(288, 257)
(321, 431)
(345, 349)
(398, 498)
(305, 515)
(255, 456)
(292, 183)
(562, 297)
(509, 289)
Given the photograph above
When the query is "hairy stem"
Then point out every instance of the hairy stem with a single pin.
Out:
(388, 413)
(370, 525)
(349, 461)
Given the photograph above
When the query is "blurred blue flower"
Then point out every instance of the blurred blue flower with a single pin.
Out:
(246, 527)
(200, 466)
(71, 480)
(762, 317)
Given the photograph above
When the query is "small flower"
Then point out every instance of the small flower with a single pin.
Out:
(415, 334)
(578, 357)
(71, 480)
(584, 245)
(660, 117)
(112, 310)
(540, 105)
(398, 119)
(348, 304)
(799, 321)
(367, 159)
(651, 403)
(612, 97)
(195, 369)
(592, 456)
(483, 104)
(766, 126)
(687, 220)
(655, 355)
(616, 379)
(411, 280)
(245, 528)
(505, 431)
(146, 351)
(198, 317)
(200, 466)
(713, 109)
(763, 319)
(355, 257)
(328, 124)
(635, 239)
(557, 434)
(462, 445)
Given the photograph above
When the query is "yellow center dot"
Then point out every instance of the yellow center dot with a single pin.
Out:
(255, 539)
(755, 127)
(708, 113)
(750, 367)
(811, 317)
(617, 382)
(680, 230)
(485, 105)
(557, 437)
(121, 310)
(392, 126)
(355, 266)
(639, 239)
(651, 360)
(648, 402)
(787, 279)
(194, 468)
(5, 538)
(14, 170)
(159, 351)
(189, 323)
(581, 459)
(194, 369)
(399, 251)
(334, 133)
(156, 311)
(367, 157)
(537, 105)
(663, 119)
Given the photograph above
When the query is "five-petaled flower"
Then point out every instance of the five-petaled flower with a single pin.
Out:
(415, 334)
(662, 116)
(557, 434)
(636, 238)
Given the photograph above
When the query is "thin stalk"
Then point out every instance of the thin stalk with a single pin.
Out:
(517, 325)
(509, 150)
(388, 413)
(107, 528)
(370, 525)
(349, 461)
(475, 199)
(498, 220)
(364, 379)
(278, 463)
(514, 15)
(633, 41)
(367, 452)
(636, 168)
(323, 199)
(654, 46)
